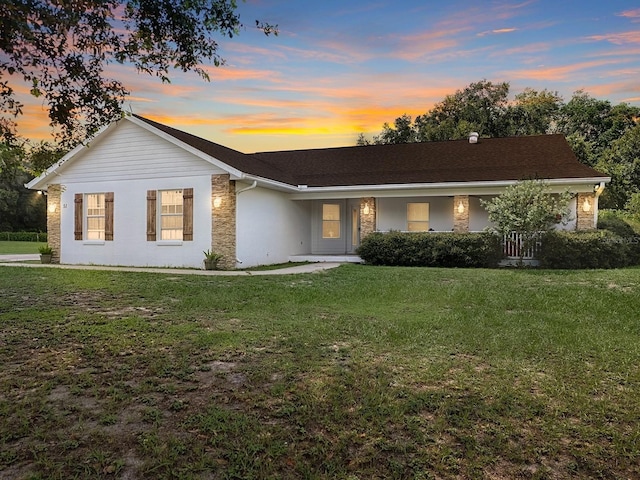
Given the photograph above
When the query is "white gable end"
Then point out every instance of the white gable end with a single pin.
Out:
(130, 152)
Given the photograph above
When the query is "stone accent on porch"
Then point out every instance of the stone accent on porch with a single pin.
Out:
(54, 208)
(367, 216)
(585, 211)
(223, 219)
(461, 213)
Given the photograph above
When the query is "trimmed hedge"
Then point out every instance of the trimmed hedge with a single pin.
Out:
(594, 249)
(431, 249)
(23, 237)
(616, 225)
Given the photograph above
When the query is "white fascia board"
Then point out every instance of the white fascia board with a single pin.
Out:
(268, 183)
(438, 189)
(233, 172)
(42, 181)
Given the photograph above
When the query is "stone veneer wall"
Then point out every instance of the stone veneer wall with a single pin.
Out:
(585, 220)
(367, 221)
(461, 220)
(223, 220)
(53, 220)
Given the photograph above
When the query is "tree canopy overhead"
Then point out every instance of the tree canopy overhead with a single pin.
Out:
(60, 50)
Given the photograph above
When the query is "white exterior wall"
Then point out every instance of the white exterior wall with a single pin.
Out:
(392, 213)
(129, 161)
(573, 216)
(130, 245)
(270, 227)
(478, 216)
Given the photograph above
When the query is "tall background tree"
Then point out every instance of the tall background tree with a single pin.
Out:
(20, 209)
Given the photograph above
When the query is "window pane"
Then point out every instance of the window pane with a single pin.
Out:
(330, 212)
(171, 221)
(418, 226)
(171, 215)
(417, 217)
(94, 217)
(330, 220)
(418, 212)
(330, 229)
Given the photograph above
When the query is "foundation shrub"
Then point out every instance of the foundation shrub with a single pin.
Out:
(581, 250)
(463, 250)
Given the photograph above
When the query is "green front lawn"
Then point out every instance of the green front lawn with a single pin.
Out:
(358, 372)
(16, 248)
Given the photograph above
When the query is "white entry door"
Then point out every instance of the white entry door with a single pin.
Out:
(336, 227)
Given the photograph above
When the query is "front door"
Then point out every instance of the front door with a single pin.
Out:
(336, 227)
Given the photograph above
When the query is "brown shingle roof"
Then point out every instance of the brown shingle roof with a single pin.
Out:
(491, 159)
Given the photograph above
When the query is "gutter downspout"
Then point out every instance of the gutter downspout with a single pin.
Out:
(599, 190)
(250, 187)
(238, 192)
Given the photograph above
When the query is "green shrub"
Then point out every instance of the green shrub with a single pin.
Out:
(616, 225)
(23, 236)
(578, 250)
(431, 249)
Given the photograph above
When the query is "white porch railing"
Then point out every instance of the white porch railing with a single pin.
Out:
(514, 247)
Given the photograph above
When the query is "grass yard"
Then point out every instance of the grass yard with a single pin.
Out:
(17, 248)
(356, 373)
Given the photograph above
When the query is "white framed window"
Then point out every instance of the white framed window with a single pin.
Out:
(418, 217)
(95, 216)
(171, 214)
(330, 220)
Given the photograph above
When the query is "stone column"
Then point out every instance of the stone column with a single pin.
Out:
(461, 213)
(367, 216)
(585, 211)
(223, 219)
(54, 207)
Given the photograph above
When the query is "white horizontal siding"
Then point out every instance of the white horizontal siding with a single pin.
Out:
(130, 152)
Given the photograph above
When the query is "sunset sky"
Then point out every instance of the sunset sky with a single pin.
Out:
(340, 68)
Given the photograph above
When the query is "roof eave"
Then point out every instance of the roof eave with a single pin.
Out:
(305, 192)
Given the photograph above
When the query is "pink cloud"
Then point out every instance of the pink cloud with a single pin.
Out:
(497, 31)
(619, 38)
(558, 73)
(634, 15)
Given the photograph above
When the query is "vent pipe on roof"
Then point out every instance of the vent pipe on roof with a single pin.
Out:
(473, 137)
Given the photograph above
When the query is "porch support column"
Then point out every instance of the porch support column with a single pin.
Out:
(223, 219)
(367, 216)
(461, 213)
(54, 205)
(586, 204)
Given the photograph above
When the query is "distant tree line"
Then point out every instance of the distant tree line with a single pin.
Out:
(602, 135)
(22, 209)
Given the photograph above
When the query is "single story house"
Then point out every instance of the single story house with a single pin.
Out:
(141, 193)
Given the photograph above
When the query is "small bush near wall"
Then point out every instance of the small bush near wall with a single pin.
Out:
(23, 236)
(431, 249)
(595, 249)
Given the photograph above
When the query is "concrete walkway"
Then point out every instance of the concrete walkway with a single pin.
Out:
(15, 261)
